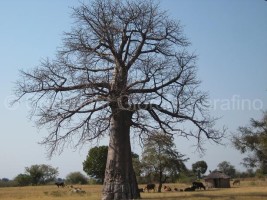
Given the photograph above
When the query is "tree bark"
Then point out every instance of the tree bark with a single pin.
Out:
(160, 182)
(120, 180)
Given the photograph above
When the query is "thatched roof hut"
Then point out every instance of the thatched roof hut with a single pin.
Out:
(217, 179)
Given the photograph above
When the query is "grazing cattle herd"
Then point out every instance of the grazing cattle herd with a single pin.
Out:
(149, 187)
(195, 185)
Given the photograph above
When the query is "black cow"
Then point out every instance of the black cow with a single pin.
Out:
(150, 186)
(192, 188)
(58, 184)
(198, 185)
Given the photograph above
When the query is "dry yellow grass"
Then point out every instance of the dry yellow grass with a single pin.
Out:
(218, 194)
(248, 190)
(49, 193)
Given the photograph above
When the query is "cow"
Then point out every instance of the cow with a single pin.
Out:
(237, 181)
(76, 190)
(198, 185)
(140, 190)
(60, 184)
(192, 188)
(167, 188)
(150, 186)
(178, 190)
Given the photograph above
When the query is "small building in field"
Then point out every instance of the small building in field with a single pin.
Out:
(217, 179)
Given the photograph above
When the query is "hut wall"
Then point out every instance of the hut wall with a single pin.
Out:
(224, 183)
(218, 183)
(209, 183)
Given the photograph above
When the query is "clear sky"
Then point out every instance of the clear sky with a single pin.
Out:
(229, 37)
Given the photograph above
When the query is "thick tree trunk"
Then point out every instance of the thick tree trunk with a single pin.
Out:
(120, 180)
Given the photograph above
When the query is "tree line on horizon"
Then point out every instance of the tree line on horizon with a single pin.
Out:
(160, 162)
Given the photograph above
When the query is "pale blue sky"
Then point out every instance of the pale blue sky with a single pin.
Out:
(229, 37)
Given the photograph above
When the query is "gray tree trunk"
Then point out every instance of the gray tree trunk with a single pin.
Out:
(120, 180)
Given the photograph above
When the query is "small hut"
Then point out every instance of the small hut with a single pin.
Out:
(217, 179)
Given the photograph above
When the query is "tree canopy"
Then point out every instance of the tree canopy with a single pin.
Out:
(95, 162)
(199, 167)
(40, 174)
(253, 141)
(23, 179)
(227, 168)
(160, 158)
(76, 178)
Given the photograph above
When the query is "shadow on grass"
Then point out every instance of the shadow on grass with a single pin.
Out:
(209, 196)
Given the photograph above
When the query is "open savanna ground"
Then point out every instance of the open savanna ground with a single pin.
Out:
(248, 190)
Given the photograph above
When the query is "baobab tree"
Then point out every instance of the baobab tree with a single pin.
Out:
(124, 67)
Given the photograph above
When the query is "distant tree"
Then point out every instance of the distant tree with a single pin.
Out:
(23, 179)
(161, 159)
(76, 178)
(125, 65)
(5, 182)
(250, 172)
(5, 179)
(187, 176)
(227, 168)
(95, 163)
(199, 167)
(41, 174)
(245, 174)
(253, 140)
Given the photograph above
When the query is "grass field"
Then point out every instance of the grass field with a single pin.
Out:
(248, 190)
